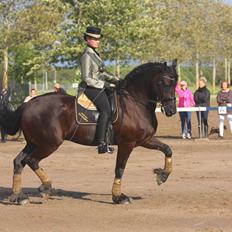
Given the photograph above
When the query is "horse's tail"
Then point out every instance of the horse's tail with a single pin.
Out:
(10, 120)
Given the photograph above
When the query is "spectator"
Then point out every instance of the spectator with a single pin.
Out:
(202, 98)
(4, 104)
(59, 89)
(224, 98)
(185, 100)
(33, 94)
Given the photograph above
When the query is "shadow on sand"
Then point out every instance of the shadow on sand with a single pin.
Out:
(58, 194)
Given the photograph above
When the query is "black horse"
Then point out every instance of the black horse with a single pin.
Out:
(48, 120)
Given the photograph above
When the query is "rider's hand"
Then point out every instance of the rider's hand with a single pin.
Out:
(108, 85)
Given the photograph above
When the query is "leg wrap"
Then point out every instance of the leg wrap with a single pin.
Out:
(17, 179)
(116, 190)
(168, 164)
(43, 176)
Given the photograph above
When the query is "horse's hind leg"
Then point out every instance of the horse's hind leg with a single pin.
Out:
(19, 163)
(30, 155)
(124, 151)
(33, 162)
(162, 174)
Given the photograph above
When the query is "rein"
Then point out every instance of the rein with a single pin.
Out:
(138, 100)
(161, 100)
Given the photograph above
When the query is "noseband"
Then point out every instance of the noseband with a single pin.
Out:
(164, 102)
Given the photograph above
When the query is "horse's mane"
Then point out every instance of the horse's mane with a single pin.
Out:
(139, 71)
(142, 68)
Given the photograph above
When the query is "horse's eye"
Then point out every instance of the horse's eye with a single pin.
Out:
(167, 83)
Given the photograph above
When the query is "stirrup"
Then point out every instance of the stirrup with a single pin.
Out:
(110, 150)
(104, 148)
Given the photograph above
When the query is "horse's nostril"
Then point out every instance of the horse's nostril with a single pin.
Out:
(172, 111)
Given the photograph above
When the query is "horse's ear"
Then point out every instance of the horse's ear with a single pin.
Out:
(174, 63)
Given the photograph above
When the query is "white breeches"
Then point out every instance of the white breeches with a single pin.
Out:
(221, 123)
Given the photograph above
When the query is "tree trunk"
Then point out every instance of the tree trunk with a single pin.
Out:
(35, 83)
(197, 69)
(214, 76)
(5, 68)
(229, 71)
(46, 80)
(117, 68)
(179, 72)
(226, 69)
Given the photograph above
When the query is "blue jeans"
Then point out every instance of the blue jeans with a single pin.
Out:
(185, 118)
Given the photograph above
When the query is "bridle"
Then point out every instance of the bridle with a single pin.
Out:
(164, 101)
(163, 106)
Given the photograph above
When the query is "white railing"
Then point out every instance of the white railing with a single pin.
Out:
(199, 109)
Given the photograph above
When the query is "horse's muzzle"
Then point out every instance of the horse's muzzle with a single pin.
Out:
(169, 110)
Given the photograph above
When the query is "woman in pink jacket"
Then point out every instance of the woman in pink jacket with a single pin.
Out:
(186, 99)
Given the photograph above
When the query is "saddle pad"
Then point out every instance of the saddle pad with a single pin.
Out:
(86, 112)
(85, 102)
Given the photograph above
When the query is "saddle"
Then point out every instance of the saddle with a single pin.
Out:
(87, 113)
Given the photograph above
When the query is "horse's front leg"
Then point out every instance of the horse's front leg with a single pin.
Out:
(124, 151)
(161, 174)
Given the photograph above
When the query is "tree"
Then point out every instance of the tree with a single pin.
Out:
(127, 26)
(31, 21)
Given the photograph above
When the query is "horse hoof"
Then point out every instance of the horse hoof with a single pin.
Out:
(44, 195)
(161, 175)
(23, 202)
(19, 199)
(122, 199)
(45, 191)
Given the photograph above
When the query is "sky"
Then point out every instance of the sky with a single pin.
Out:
(228, 1)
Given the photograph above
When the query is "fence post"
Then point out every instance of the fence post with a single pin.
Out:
(200, 128)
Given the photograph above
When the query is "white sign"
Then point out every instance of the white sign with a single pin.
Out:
(222, 110)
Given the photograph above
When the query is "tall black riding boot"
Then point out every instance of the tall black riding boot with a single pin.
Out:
(102, 127)
(108, 138)
(206, 131)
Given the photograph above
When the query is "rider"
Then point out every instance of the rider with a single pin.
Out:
(96, 81)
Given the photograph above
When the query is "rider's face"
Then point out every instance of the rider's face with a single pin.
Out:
(93, 42)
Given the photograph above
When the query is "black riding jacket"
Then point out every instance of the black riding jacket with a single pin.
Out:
(202, 97)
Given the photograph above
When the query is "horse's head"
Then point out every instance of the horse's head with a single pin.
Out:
(153, 82)
(165, 89)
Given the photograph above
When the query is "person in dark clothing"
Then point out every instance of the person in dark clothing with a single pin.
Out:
(202, 98)
(4, 104)
(96, 81)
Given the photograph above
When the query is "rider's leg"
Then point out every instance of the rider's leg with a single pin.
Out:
(98, 96)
